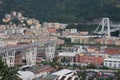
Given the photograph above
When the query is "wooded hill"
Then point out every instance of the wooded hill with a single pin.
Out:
(63, 10)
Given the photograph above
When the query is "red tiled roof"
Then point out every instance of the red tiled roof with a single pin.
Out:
(52, 30)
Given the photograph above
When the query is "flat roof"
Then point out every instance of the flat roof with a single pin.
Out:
(26, 75)
(62, 72)
(112, 59)
(69, 54)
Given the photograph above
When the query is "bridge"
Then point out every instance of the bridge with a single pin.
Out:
(106, 27)
(30, 51)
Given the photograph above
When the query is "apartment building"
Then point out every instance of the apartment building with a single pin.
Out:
(113, 62)
(88, 59)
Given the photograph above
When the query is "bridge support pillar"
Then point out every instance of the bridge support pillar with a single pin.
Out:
(31, 56)
(9, 58)
(50, 51)
(105, 23)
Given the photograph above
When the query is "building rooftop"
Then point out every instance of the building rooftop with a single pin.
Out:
(69, 54)
(50, 77)
(34, 68)
(63, 72)
(26, 75)
(112, 59)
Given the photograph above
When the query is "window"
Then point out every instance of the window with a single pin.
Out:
(114, 65)
(110, 64)
(105, 63)
(105, 60)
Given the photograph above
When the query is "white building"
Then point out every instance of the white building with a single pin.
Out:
(19, 15)
(69, 56)
(13, 13)
(2, 43)
(73, 30)
(66, 74)
(26, 75)
(7, 16)
(79, 48)
(112, 62)
(15, 30)
(51, 24)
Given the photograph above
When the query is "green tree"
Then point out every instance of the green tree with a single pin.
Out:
(118, 74)
(82, 75)
(109, 78)
(7, 73)
(104, 68)
(60, 47)
(74, 66)
(91, 66)
(69, 11)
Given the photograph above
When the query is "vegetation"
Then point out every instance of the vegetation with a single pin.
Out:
(91, 66)
(7, 73)
(63, 10)
(118, 75)
(83, 27)
(82, 75)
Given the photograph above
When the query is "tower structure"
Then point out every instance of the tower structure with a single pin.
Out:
(50, 50)
(104, 27)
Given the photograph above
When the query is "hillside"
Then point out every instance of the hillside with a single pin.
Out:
(63, 10)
